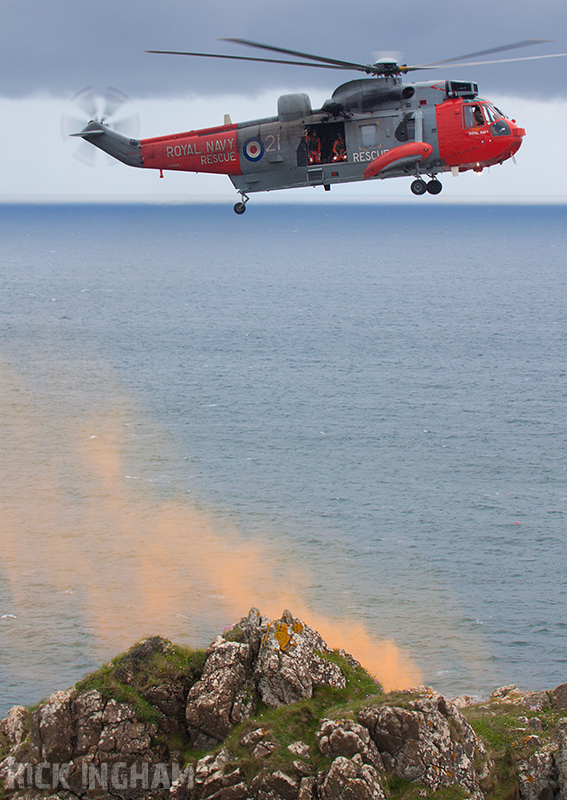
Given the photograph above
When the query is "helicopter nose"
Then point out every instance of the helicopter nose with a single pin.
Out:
(515, 129)
(511, 135)
(517, 135)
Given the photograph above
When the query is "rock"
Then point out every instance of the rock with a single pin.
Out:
(464, 701)
(15, 726)
(561, 758)
(504, 691)
(288, 667)
(538, 775)
(559, 696)
(281, 785)
(223, 697)
(430, 742)
(350, 780)
(302, 769)
(182, 787)
(351, 659)
(264, 749)
(299, 749)
(273, 786)
(535, 701)
(210, 764)
(347, 738)
(250, 629)
(306, 789)
(89, 708)
(252, 738)
(56, 728)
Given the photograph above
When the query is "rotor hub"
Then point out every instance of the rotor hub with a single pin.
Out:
(387, 66)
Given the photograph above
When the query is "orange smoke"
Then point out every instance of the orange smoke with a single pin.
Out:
(74, 525)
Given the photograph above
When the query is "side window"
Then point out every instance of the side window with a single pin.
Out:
(368, 135)
(406, 129)
(473, 116)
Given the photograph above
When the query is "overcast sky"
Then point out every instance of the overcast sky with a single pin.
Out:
(50, 51)
(60, 47)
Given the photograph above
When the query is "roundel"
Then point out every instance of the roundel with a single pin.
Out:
(253, 149)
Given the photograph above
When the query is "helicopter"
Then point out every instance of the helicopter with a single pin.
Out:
(374, 127)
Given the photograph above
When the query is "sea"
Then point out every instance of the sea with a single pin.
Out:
(354, 411)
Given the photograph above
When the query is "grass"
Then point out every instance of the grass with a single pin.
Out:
(149, 664)
(508, 739)
(396, 788)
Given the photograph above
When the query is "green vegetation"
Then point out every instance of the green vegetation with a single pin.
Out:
(148, 665)
(503, 729)
(396, 788)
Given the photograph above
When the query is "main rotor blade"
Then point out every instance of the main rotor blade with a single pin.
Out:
(360, 67)
(482, 63)
(500, 49)
(322, 59)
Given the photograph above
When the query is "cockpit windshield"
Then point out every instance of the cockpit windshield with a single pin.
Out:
(492, 113)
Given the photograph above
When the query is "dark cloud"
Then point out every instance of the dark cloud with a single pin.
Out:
(58, 48)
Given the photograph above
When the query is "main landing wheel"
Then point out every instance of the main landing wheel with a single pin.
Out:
(239, 208)
(434, 186)
(418, 186)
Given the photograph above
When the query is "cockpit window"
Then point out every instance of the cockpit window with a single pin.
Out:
(491, 112)
(473, 116)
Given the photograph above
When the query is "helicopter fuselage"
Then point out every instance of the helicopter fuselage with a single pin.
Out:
(370, 128)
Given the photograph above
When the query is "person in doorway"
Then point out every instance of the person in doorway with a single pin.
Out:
(339, 148)
(313, 147)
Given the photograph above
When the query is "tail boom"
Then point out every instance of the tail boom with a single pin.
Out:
(209, 150)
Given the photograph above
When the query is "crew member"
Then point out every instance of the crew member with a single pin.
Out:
(339, 148)
(313, 147)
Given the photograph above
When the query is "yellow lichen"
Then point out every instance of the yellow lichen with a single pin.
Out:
(283, 636)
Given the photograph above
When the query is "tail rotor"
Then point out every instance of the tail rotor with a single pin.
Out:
(107, 108)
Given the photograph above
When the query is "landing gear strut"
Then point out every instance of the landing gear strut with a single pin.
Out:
(419, 186)
(240, 207)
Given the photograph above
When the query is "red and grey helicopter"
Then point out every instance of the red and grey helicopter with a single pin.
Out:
(371, 128)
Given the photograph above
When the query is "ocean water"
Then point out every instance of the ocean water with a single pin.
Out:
(355, 411)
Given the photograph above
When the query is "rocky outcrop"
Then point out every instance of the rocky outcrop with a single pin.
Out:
(274, 706)
(290, 665)
(344, 737)
(350, 779)
(82, 743)
(223, 697)
(429, 742)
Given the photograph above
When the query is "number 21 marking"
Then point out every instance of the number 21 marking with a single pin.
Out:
(272, 142)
